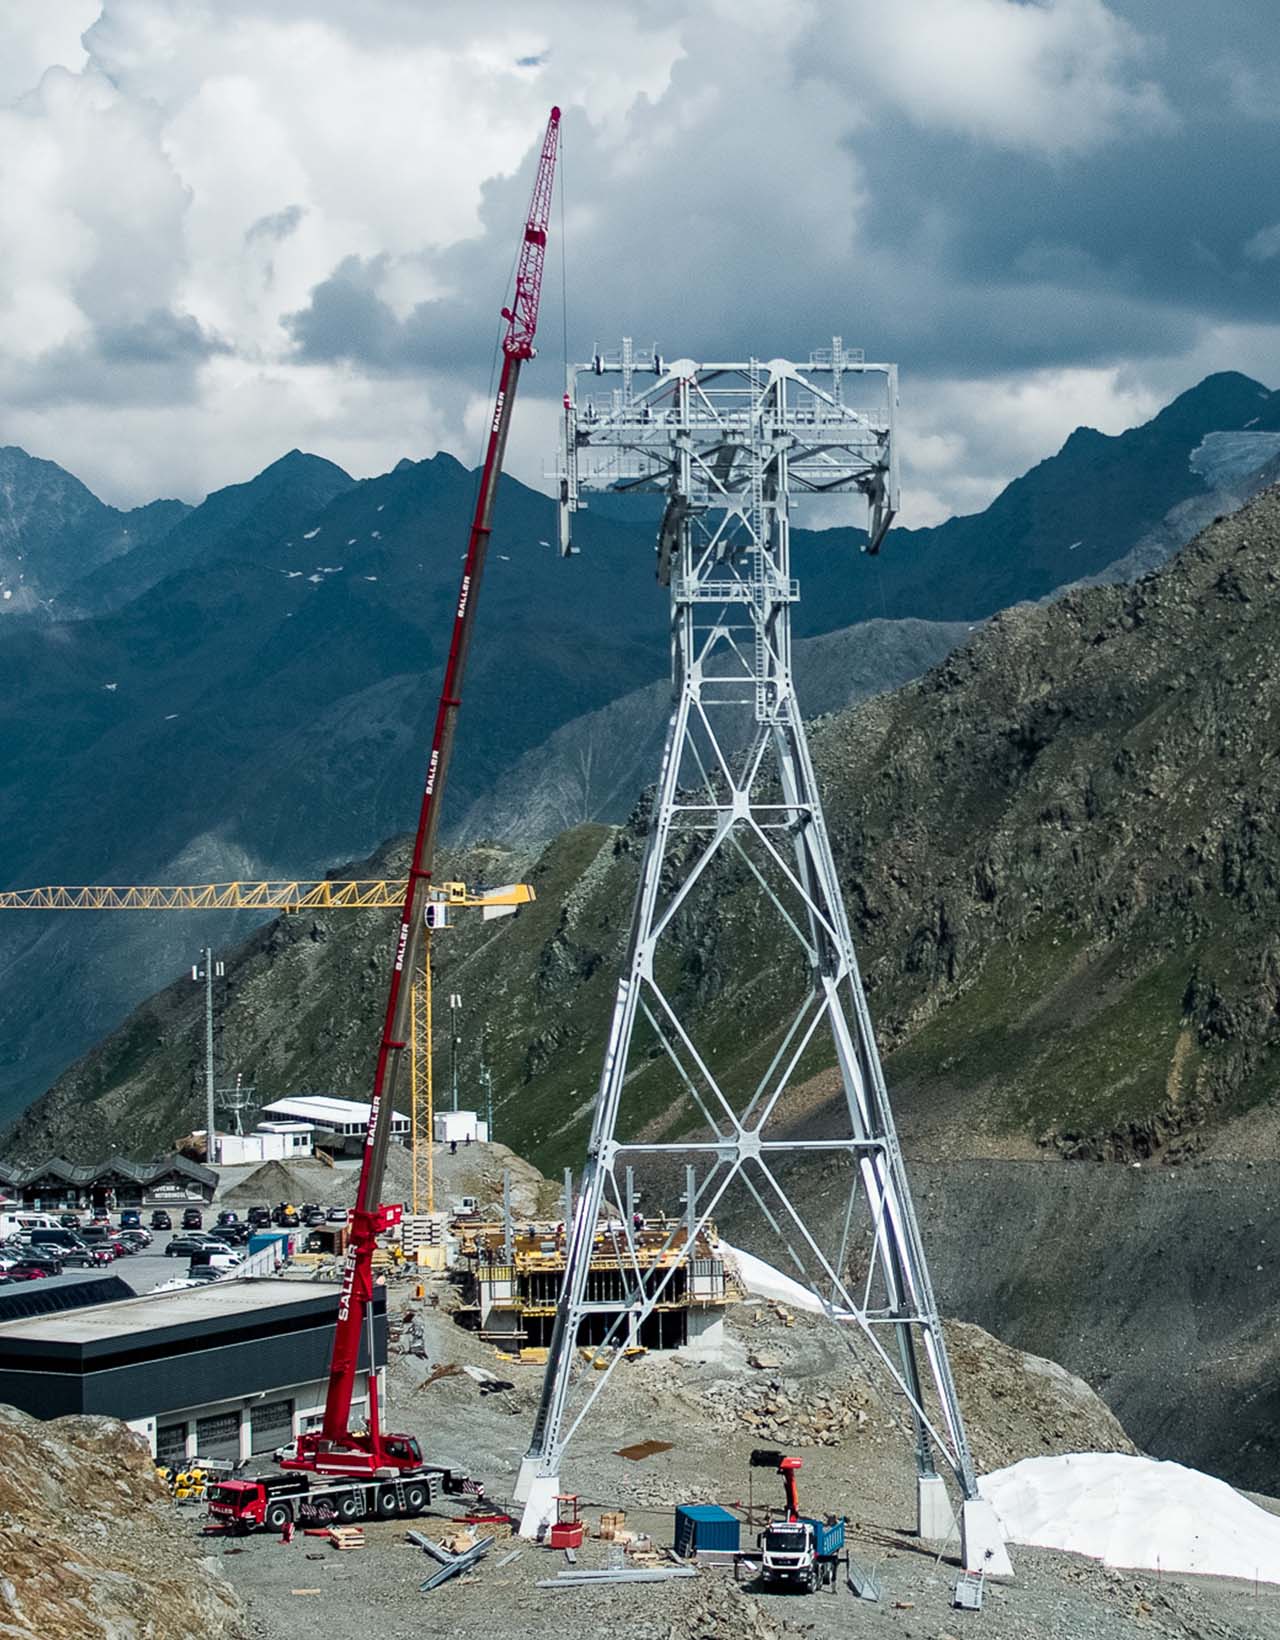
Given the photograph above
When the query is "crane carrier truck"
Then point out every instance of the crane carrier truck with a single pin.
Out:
(274, 1501)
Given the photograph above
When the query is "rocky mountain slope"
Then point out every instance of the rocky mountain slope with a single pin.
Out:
(53, 531)
(1059, 851)
(593, 767)
(248, 693)
(91, 1547)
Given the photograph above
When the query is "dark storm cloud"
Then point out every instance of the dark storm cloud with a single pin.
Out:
(279, 225)
(163, 337)
(963, 254)
(155, 361)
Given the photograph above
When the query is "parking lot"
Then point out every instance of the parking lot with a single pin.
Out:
(144, 1270)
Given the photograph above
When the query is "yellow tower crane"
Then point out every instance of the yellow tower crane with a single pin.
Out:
(328, 894)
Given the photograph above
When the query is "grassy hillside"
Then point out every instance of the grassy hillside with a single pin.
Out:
(1060, 856)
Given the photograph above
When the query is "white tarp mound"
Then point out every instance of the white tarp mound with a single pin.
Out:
(762, 1278)
(1135, 1513)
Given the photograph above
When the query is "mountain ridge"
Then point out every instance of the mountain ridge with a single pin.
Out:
(1058, 846)
(289, 673)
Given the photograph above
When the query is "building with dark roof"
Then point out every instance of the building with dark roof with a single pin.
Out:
(57, 1184)
(228, 1370)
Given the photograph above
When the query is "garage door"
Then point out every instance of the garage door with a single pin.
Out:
(171, 1445)
(219, 1436)
(272, 1425)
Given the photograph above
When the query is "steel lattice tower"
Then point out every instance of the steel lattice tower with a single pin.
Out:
(737, 805)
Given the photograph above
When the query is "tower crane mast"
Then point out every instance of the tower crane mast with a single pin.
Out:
(335, 1448)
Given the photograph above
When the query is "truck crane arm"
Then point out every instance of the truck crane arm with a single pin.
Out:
(335, 1448)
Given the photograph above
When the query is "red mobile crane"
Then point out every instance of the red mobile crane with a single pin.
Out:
(335, 1449)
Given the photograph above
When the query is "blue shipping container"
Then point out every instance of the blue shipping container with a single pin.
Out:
(827, 1538)
(267, 1238)
(705, 1526)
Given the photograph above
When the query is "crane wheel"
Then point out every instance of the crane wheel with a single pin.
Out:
(350, 1507)
(388, 1503)
(415, 1499)
(278, 1516)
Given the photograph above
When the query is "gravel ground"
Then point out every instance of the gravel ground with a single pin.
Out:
(712, 1414)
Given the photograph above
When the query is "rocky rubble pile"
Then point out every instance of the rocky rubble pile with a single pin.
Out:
(780, 1408)
(90, 1545)
(720, 1608)
(1017, 1405)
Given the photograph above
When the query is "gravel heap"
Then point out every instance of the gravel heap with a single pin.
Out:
(92, 1548)
(476, 1170)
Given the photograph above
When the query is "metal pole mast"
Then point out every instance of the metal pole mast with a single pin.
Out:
(209, 1113)
(206, 972)
(737, 818)
(455, 1004)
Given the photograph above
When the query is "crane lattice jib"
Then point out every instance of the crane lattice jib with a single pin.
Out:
(522, 315)
(329, 894)
(274, 895)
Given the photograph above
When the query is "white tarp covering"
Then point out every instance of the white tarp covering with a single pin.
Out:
(1135, 1513)
(762, 1278)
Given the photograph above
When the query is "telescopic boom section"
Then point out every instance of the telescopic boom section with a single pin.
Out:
(336, 1448)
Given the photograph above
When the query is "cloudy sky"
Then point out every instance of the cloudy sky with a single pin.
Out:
(228, 227)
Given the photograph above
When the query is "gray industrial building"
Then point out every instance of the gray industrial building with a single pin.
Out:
(229, 1370)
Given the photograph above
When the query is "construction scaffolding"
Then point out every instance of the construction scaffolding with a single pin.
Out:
(512, 1282)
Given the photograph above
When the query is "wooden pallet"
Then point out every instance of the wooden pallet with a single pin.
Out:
(347, 1537)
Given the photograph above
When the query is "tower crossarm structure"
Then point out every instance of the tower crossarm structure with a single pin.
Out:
(737, 848)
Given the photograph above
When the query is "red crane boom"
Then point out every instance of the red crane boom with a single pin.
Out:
(335, 1448)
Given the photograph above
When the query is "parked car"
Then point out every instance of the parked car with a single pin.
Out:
(139, 1238)
(259, 1216)
(192, 1218)
(49, 1257)
(97, 1235)
(160, 1220)
(200, 1274)
(78, 1258)
(236, 1235)
(228, 1215)
(130, 1219)
(55, 1238)
(183, 1246)
(285, 1215)
(315, 1217)
(28, 1269)
(69, 1221)
(66, 1246)
(336, 1215)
